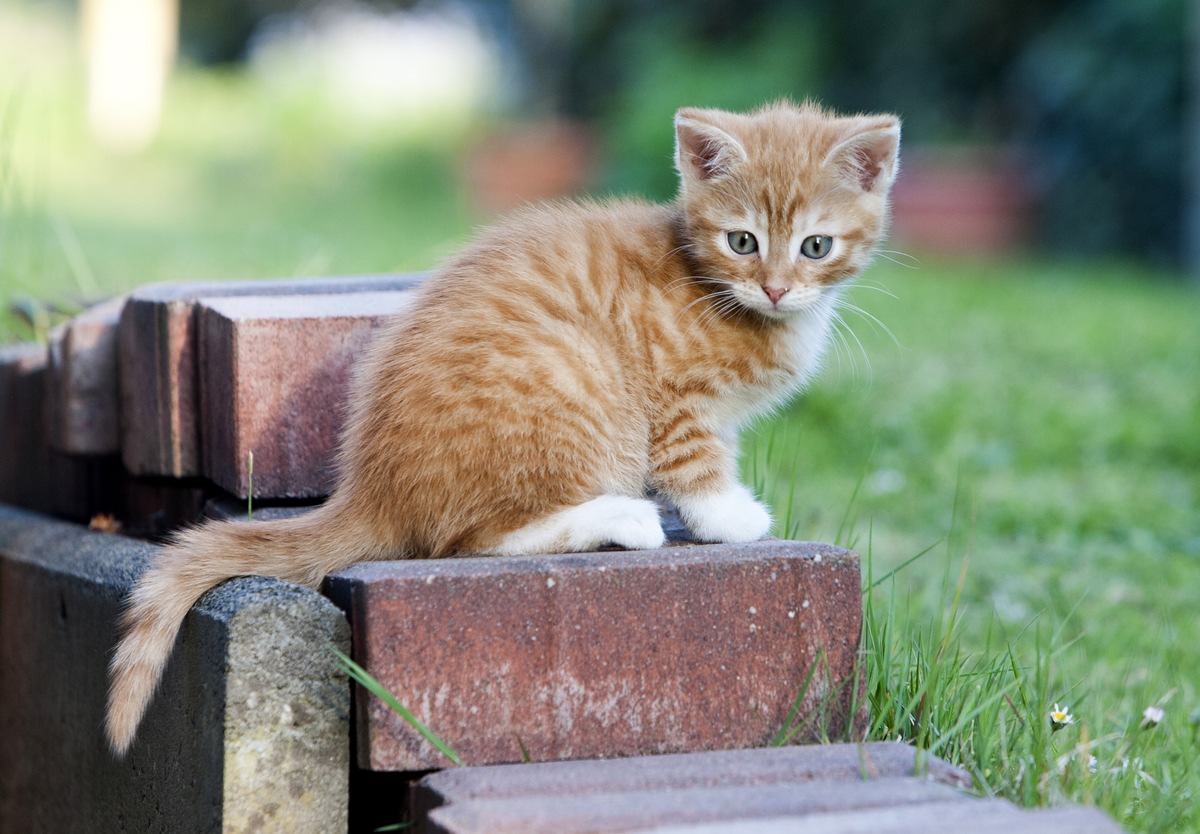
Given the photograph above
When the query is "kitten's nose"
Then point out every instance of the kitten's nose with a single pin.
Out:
(774, 293)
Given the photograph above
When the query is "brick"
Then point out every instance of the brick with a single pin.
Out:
(23, 456)
(249, 730)
(31, 474)
(714, 769)
(970, 816)
(82, 393)
(157, 363)
(646, 809)
(599, 655)
(273, 374)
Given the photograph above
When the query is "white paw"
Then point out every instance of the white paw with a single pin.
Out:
(632, 523)
(730, 516)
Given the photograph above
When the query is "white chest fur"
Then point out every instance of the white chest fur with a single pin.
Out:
(800, 351)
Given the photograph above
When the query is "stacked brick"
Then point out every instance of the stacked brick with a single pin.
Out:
(143, 407)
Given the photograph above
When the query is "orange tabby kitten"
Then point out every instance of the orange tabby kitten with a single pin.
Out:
(572, 360)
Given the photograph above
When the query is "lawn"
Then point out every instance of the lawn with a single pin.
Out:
(1033, 425)
(1040, 424)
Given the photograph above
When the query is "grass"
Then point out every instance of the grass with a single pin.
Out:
(1041, 424)
(1033, 427)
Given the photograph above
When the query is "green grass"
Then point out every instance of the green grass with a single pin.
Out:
(1035, 422)
(1042, 423)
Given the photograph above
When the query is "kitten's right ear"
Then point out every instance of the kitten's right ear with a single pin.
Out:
(704, 151)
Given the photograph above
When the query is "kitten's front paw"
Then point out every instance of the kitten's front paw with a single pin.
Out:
(730, 516)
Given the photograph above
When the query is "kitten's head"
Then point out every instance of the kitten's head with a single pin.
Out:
(786, 202)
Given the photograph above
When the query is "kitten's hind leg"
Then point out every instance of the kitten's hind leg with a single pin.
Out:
(632, 523)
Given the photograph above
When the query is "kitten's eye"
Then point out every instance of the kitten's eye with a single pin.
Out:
(816, 246)
(743, 243)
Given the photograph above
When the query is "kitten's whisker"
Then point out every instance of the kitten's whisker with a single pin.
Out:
(695, 280)
(859, 311)
(694, 302)
(848, 330)
(723, 303)
(867, 285)
(909, 262)
(665, 257)
(842, 347)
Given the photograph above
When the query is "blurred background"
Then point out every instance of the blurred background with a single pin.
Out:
(148, 140)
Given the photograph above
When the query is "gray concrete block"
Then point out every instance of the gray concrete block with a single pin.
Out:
(601, 655)
(82, 394)
(157, 355)
(273, 374)
(644, 809)
(249, 731)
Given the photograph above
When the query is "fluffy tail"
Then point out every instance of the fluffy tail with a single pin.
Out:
(300, 550)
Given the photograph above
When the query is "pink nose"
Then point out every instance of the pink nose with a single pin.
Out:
(774, 293)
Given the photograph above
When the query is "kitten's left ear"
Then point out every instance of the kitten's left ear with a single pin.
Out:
(869, 156)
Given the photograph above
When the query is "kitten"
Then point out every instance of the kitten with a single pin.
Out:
(571, 360)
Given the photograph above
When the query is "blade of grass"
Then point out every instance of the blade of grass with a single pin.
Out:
(364, 678)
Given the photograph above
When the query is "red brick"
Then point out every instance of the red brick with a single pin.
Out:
(82, 391)
(273, 375)
(968, 816)
(604, 654)
(31, 474)
(157, 359)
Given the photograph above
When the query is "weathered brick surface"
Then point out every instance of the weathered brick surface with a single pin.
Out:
(714, 769)
(31, 474)
(875, 788)
(73, 486)
(82, 393)
(965, 816)
(274, 373)
(644, 809)
(23, 455)
(602, 654)
(157, 363)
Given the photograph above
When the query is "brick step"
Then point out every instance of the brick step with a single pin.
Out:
(162, 337)
(155, 399)
(833, 789)
(598, 655)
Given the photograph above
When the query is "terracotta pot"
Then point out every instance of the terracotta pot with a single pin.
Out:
(962, 201)
(527, 163)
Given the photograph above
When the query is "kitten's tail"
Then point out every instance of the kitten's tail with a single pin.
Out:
(300, 550)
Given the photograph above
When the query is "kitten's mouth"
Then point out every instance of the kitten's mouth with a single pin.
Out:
(775, 303)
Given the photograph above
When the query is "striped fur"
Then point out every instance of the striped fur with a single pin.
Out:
(571, 360)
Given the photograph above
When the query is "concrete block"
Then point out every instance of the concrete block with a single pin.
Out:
(82, 393)
(601, 655)
(274, 374)
(641, 810)
(157, 363)
(249, 731)
(713, 769)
